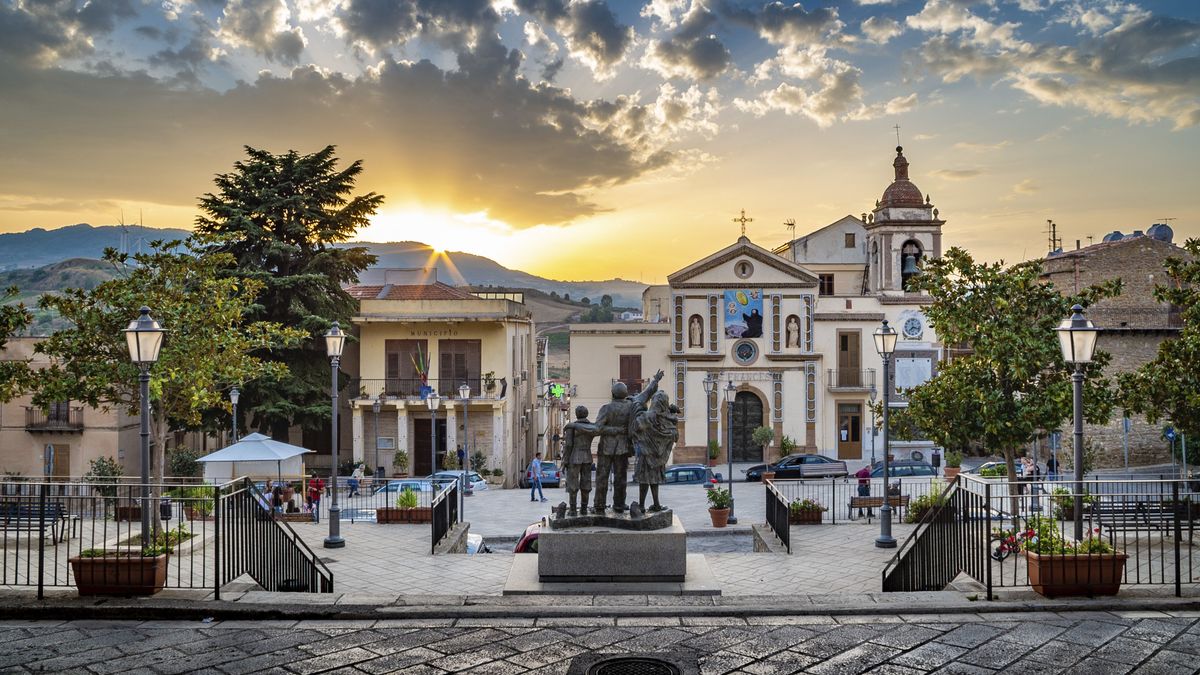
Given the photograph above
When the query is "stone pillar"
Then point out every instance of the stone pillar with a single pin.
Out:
(402, 434)
(356, 426)
(500, 458)
(451, 427)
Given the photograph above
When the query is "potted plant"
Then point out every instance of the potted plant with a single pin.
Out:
(100, 571)
(497, 477)
(923, 504)
(714, 451)
(407, 510)
(198, 501)
(719, 501)
(954, 460)
(764, 436)
(489, 381)
(1061, 568)
(805, 512)
(400, 464)
(1064, 503)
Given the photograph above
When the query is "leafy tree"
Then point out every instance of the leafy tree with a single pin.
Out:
(281, 218)
(208, 347)
(1012, 382)
(1168, 387)
(14, 374)
(182, 462)
(606, 300)
(586, 301)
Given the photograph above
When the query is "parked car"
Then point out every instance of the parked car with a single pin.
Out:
(801, 465)
(551, 476)
(528, 542)
(690, 474)
(475, 544)
(397, 486)
(477, 482)
(903, 468)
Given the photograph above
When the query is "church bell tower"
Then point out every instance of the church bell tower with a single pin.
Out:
(903, 230)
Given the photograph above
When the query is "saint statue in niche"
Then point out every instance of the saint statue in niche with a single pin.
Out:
(793, 332)
(695, 332)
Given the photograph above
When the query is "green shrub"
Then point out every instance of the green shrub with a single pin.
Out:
(181, 462)
(918, 507)
(807, 506)
(997, 471)
(714, 449)
(787, 444)
(719, 498)
(763, 436)
(954, 459)
(407, 499)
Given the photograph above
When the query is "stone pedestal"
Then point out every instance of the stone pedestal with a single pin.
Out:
(611, 555)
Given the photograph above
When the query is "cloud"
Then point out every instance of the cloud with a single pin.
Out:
(262, 25)
(665, 13)
(48, 30)
(591, 30)
(981, 147)
(881, 29)
(957, 174)
(692, 52)
(379, 24)
(947, 16)
(1025, 187)
(837, 94)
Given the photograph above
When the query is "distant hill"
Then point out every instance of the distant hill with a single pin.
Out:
(32, 283)
(38, 247)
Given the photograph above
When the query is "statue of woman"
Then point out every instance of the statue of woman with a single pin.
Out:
(656, 430)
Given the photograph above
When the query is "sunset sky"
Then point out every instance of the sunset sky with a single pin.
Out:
(592, 139)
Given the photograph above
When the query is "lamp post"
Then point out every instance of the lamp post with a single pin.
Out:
(1077, 338)
(375, 409)
(872, 398)
(885, 344)
(144, 337)
(431, 402)
(730, 394)
(464, 393)
(710, 387)
(234, 395)
(335, 340)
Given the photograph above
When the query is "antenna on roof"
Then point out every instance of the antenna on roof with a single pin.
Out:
(790, 224)
(1167, 220)
(1052, 231)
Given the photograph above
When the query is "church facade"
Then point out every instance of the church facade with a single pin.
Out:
(788, 332)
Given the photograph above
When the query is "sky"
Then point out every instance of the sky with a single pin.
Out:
(590, 139)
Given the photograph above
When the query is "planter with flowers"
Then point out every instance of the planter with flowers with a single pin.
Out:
(953, 465)
(1061, 568)
(719, 501)
(805, 512)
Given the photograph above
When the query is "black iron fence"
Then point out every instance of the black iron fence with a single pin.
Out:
(1024, 534)
(445, 513)
(58, 418)
(849, 499)
(401, 387)
(50, 529)
(777, 515)
(309, 499)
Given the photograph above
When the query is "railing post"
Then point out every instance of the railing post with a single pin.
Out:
(42, 543)
(1175, 503)
(216, 511)
(987, 534)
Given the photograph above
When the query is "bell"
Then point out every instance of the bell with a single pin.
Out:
(910, 266)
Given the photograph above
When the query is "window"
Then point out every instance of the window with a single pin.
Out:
(400, 358)
(826, 284)
(849, 240)
(459, 361)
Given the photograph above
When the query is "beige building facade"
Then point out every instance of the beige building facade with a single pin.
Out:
(418, 337)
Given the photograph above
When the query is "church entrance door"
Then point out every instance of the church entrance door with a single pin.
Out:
(422, 455)
(747, 416)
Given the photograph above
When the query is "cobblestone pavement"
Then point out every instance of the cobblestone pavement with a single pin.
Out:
(1077, 642)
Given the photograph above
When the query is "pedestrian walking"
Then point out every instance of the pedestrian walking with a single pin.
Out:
(1052, 469)
(355, 481)
(535, 478)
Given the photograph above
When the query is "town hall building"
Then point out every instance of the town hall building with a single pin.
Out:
(789, 328)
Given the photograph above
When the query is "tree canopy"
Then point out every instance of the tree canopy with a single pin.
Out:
(14, 318)
(1006, 382)
(280, 217)
(1168, 387)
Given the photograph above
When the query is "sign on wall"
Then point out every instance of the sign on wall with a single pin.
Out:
(913, 372)
(743, 313)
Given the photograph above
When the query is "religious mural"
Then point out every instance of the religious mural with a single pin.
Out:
(743, 313)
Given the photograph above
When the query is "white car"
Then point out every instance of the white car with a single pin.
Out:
(476, 481)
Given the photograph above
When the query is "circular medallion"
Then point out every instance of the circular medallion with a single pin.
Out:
(912, 328)
(745, 352)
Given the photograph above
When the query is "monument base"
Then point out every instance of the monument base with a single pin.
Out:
(523, 580)
(606, 554)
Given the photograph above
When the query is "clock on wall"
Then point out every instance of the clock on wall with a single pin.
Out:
(912, 328)
(745, 352)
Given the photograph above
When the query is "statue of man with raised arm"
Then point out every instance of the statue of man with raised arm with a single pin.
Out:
(612, 457)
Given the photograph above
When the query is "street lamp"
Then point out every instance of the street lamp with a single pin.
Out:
(464, 393)
(431, 402)
(144, 337)
(710, 387)
(375, 409)
(885, 344)
(1077, 337)
(872, 398)
(234, 395)
(335, 340)
(730, 395)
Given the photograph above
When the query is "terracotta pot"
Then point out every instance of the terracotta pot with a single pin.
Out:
(194, 513)
(804, 517)
(1056, 576)
(712, 461)
(388, 515)
(951, 472)
(768, 475)
(720, 517)
(120, 574)
(400, 475)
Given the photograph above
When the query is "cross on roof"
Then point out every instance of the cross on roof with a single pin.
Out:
(743, 220)
(897, 128)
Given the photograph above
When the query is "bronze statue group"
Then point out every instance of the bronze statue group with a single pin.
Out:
(647, 422)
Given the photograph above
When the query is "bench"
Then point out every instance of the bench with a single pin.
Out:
(895, 501)
(29, 517)
(1133, 516)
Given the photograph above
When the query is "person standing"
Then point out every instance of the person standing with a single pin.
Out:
(535, 478)
(864, 487)
(355, 481)
(577, 438)
(1052, 469)
(616, 445)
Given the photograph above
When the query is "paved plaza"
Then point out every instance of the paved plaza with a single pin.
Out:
(1088, 643)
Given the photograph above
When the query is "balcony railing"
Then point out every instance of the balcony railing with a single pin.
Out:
(416, 388)
(851, 379)
(54, 419)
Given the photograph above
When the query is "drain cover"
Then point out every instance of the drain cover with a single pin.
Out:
(662, 663)
(634, 665)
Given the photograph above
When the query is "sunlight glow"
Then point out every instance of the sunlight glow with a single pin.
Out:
(443, 230)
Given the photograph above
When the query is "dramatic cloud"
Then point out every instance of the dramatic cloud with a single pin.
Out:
(692, 52)
(591, 30)
(838, 92)
(379, 24)
(45, 31)
(263, 25)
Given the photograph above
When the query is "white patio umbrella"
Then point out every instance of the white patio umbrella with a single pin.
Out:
(256, 448)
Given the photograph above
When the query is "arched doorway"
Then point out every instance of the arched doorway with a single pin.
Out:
(747, 416)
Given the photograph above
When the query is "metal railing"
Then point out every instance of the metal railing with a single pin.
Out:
(48, 528)
(837, 378)
(445, 513)
(54, 419)
(358, 503)
(839, 495)
(400, 387)
(1009, 534)
(777, 515)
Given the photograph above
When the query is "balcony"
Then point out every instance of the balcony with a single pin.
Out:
(413, 388)
(850, 380)
(59, 419)
(633, 384)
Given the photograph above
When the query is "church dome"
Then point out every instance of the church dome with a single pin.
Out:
(901, 192)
